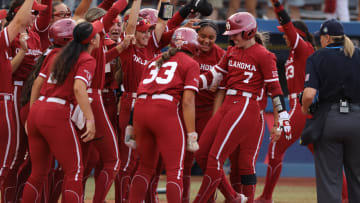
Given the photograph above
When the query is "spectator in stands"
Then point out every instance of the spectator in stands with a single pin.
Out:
(293, 5)
(234, 5)
(217, 4)
(337, 9)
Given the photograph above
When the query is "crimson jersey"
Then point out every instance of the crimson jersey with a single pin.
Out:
(5, 67)
(133, 62)
(99, 53)
(250, 69)
(110, 69)
(46, 65)
(34, 51)
(178, 73)
(207, 61)
(296, 63)
(84, 70)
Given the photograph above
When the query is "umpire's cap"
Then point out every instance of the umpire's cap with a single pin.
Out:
(331, 27)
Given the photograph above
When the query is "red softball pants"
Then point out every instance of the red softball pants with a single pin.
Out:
(163, 135)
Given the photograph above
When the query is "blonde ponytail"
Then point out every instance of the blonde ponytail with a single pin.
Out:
(166, 56)
(347, 43)
(348, 47)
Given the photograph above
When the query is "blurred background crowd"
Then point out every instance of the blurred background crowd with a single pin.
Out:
(344, 10)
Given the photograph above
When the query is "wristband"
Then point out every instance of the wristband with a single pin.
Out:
(166, 11)
(90, 121)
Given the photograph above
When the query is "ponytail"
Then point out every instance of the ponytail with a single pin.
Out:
(347, 43)
(262, 38)
(348, 47)
(166, 56)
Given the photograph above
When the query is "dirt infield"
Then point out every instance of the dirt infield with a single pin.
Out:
(288, 190)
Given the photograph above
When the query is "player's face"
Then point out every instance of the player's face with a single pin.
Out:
(115, 30)
(286, 40)
(142, 38)
(96, 41)
(61, 11)
(238, 40)
(206, 38)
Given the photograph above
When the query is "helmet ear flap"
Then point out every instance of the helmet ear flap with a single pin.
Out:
(248, 34)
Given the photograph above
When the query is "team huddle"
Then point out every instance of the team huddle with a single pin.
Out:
(94, 91)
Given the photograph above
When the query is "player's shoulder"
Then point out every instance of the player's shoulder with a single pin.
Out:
(219, 51)
(261, 51)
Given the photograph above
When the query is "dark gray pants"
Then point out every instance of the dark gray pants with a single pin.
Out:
(338, 147)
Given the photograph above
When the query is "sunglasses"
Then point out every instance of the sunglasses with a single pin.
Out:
(66, 14)
(35, 13)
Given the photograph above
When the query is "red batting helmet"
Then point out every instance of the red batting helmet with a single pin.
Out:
(61, 32)
(241, 22)
(150, 14)
(185, 39)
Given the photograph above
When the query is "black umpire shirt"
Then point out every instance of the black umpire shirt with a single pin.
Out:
(329, 71)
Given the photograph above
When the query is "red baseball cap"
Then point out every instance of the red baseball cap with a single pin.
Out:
(3, 13)
(97, 27)
(143, 25)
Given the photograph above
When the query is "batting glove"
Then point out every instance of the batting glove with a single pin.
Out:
(191, 142)
(284, 124)
(129, 137)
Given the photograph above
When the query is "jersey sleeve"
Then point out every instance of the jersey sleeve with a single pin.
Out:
(291, 34)
(86, 70)
(106, 4)
(192, 77)
(270, 73)
(311, 74)
(111, 15)
(42, 23)
(165, 39)
(4, 39)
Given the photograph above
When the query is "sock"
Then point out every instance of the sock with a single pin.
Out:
(103, 184)
(272, 176)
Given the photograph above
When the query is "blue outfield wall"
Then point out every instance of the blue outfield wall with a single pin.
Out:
(298, 160)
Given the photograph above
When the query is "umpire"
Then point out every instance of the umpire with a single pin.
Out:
(334, 73)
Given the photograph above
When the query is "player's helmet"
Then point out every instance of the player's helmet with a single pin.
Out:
(185, 39)
(150, 14)
(61, 32)
(241, 22)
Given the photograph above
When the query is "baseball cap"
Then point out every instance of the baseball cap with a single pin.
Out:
(331, 27)
(3, 14)
(97, 27)
(143, 25)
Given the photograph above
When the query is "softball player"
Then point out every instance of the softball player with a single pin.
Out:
(133, 61)
(106, 139)
(301, 42)
(247, 67)
(168, 80)
(7, 122)
(208, 56)
(23, 57)
(61, 33)
(49, 123)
